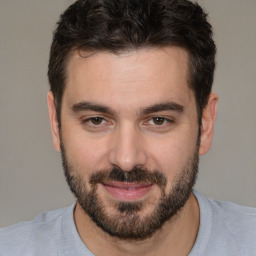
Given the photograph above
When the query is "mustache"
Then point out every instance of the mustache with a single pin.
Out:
(137, 174)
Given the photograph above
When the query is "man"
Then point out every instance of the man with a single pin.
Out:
(131, 110)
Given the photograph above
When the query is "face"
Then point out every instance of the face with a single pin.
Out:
(129, 138)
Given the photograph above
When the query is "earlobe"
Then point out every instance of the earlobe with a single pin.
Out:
(207, 127)
(53, 121)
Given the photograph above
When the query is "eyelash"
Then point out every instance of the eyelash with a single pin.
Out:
(89, 120)
(150, 121)
(160, 118)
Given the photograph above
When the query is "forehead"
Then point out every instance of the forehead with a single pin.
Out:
(146, 75)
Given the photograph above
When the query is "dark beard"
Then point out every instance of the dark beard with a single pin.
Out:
(126, 223)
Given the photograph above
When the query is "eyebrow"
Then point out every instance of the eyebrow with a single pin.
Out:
(172, 106)
(85, 105)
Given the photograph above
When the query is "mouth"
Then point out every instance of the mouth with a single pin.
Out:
(125, 191)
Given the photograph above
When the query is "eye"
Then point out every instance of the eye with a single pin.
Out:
(96, 120)
(159, 121)
(97, 124)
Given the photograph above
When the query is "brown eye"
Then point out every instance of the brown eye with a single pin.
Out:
(96, 120)
(159, 120)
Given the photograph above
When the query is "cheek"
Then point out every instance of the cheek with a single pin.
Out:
(171, 154)
(86, 153)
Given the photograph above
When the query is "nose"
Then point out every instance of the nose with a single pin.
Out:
(127, 149)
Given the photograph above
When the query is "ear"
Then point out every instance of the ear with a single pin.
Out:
(54, 121)
(207, 127)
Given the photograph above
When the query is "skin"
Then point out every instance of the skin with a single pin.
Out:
(128, 136)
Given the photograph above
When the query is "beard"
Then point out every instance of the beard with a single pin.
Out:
(126, 222)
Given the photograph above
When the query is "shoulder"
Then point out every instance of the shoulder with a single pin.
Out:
(233, 226)
(239, 220)
(19, 238)
(235, 215)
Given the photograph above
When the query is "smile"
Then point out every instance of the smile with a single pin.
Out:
(124, 191)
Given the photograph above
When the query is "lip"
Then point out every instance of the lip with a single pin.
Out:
(124, 191)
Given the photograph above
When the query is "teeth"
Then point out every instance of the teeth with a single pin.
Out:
(130, 189)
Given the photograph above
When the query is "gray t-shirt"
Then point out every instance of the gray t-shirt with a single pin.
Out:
(225, 229)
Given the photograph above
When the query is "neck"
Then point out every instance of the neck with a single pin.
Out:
(176, 237)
